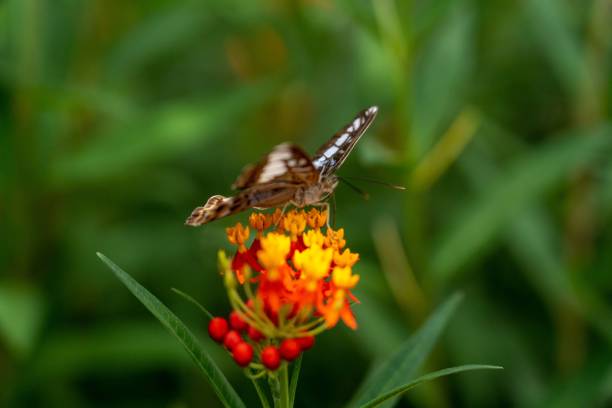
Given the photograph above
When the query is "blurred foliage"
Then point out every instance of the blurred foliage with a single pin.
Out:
(117, 118)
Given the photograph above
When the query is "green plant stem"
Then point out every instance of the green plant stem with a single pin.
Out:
(295, 375)
(261, 393)
(284, 386)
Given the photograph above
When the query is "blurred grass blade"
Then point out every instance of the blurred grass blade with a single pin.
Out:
(222, 387)
(394, 393)
(551, 23)
(155, 135)
(438, 94)
(21, 317)
(447, 149)
(402, 365)
(522, 184)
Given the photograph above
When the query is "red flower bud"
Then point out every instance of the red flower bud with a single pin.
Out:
(217, 329)
(232, 338)
(270, 357)
(236, 321)
(290, 349)
(306, 342)
(242, 353)
(254, 334)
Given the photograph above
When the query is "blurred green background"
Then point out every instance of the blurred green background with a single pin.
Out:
(118, 117)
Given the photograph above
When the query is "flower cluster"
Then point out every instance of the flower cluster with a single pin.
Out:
(292, 282)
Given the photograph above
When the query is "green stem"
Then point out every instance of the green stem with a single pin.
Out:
(261, 393)
(274, 389)
(295, 375)
(284, 386)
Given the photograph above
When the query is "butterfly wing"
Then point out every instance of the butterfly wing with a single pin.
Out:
(286, 162)
(332, 154)
(268, 195)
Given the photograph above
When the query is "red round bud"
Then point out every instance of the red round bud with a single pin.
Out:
(270, 357)
(217, 329)
(254, 334)
(232, 338)
(236, 321)
(306, 342)
(250, 303)
(290, 349)
(242, 353)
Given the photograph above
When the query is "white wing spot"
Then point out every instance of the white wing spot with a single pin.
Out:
(342, 138)
(357, 123)
(331, 151)
(271, 171)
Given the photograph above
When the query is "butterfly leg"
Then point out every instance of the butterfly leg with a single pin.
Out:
(281, 214)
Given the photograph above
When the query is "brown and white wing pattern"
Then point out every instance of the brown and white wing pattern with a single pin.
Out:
(332, 154)
(286, 162)
(269, 195)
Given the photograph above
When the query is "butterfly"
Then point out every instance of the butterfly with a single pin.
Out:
(287, 175)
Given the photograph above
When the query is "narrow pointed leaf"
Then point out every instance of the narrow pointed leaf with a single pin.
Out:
(403, 365)
(522, 184)
(394, 393)
(221, 386)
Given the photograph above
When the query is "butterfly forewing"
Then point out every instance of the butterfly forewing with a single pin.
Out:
(286, 162)
(333, 153)
(287, 175)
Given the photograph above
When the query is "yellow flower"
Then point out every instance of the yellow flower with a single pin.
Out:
(314, 263)
(335, 239)
(313, 238)
(294, 223)
(343, 278)
(238, 235)
(317, 219)
(260, 222)
(274, 250)
(346, 258)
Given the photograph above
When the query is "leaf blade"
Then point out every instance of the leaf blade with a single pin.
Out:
(525, 181)
(404, 363)
(396, 392)
(175, 326)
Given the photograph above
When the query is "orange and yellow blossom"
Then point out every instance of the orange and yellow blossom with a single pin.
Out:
(295, 279)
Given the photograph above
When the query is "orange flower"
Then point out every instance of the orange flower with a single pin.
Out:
(295, 279)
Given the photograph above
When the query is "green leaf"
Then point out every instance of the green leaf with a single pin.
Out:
(403, 364)
(21, 315)
(439, 93)
(221, 386)
(154, 135)
(132, 346)
(526, 180)
(427, 377)
(551, 23)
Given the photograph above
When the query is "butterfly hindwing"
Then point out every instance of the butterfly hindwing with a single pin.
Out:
(333, 153)
(286, 162)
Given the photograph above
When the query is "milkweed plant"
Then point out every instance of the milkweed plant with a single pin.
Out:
(290, 279)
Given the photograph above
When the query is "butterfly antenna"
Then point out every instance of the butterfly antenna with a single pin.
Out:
(356, 189)
(369, 180)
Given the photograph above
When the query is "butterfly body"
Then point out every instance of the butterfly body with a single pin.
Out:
(287, 175)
